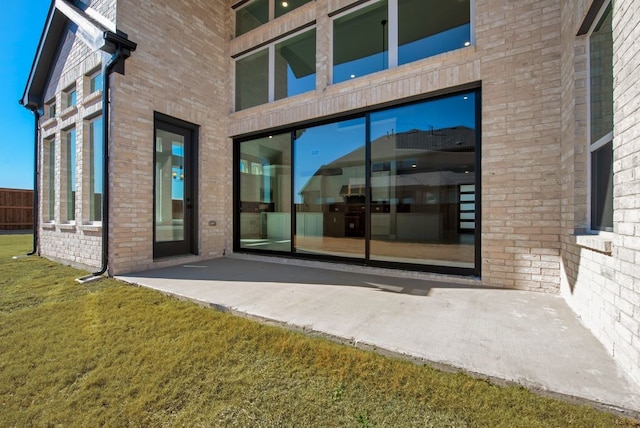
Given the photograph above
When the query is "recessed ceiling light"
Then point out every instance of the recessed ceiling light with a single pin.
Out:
(414, 166)
(285, 4)
(467, 43)
(465, 98)
(352, 76)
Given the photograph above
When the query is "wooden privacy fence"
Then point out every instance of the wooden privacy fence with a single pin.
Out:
(16, 209)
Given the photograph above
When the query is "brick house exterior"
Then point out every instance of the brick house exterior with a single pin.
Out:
(527, 62)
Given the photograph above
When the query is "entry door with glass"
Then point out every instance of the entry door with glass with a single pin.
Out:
(174, 187)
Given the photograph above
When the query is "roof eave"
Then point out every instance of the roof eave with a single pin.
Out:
(53, 23)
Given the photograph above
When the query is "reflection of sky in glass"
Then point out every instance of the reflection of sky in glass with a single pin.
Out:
(449, 40)
(177, 185)
(297, 86)
(359, 67)
(96, 130)
(458, 110)
(322, 145)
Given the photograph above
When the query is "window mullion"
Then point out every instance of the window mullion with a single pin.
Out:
(272, 73)
(393, 33)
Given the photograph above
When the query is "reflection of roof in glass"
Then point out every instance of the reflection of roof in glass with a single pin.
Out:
(412, 143)
(422, 158)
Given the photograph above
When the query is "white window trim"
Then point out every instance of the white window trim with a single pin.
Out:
(271, 53)
(592, 147)
(392, 37)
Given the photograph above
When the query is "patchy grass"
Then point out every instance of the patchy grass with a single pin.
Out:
(109, 354)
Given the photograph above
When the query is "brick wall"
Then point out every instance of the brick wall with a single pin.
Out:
(76, 242)
(181, 69)
(516, 60)
(602, 284)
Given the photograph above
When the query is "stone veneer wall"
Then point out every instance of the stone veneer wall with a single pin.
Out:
(516, 62)
(76, 242)
(601, 274)
(180, 68)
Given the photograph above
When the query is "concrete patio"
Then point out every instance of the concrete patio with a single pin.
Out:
(528, 338)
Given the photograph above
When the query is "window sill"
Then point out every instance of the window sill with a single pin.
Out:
(49, 123)
(67, 227)
(68, 112)
(49, 226)
(92, 97)
(92, 227)
(602, 243)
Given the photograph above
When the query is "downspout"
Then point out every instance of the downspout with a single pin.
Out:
(107, 69)
(36, 138)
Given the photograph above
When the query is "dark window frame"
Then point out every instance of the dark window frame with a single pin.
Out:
(475, 271)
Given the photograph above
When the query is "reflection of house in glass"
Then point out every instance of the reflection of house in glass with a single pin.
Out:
(422, 188)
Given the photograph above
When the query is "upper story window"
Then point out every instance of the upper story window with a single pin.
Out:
(284, 68)
(95, 82)
(50, 108)
(253, 13)
(387, 33)
(431, 27)
(69, 97)
(601, 121)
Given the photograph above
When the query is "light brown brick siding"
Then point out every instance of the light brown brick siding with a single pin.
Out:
(180, 68)
(75, 242)
(516, 61)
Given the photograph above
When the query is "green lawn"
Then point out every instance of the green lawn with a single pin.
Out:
(111, 354)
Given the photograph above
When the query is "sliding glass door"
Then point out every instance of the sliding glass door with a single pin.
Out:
(422, 167)
(395, 186)
(329, 184)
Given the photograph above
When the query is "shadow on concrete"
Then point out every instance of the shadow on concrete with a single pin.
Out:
(251, 271)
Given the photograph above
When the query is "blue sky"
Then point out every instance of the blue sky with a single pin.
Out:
(21, 24)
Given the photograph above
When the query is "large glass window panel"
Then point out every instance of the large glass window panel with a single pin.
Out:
(430, 27)
(601, 121)
(285, 6)
(252, 80)
(295, 65)
(423, 183)
(360, 42)
(170, 199)
(71, 174)
(329, 189)
(95, 172)
(50, 165)
(252, 16)
(265, 193)
(601, 74)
